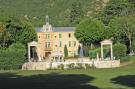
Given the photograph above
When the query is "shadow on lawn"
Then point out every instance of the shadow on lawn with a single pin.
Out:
(46, 81)
(128, 80)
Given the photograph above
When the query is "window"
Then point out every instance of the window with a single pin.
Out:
(48, 36)
(74, 43)
(60, 36)
(69, 43)
(69, 35)
(48, 44)
(60, 44)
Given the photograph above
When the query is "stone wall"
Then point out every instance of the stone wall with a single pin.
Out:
(107, 63)
(35, 66)
(49, 65)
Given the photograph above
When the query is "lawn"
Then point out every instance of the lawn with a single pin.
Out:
(116, 78)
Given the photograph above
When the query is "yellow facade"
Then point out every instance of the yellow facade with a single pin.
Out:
(54, 39)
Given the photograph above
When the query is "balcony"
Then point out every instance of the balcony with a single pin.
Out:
(48, 49)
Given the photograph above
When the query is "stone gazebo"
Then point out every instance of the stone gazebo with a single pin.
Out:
(32, 46)
(106, 42)
(103, 63)
(57, 57)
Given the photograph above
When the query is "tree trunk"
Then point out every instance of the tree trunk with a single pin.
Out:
(130, 45)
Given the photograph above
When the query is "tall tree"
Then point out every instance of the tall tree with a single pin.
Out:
(4, 35)
(114, 9)
(28, 34)
(65, 51)
(124, 25)
(21, 30)
(90, 31)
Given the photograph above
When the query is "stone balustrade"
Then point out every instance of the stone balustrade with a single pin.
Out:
(55, 65)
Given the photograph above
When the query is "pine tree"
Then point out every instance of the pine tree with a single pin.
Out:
(65, 51)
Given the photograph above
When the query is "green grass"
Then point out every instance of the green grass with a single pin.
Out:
(36, 10)
(115, 78)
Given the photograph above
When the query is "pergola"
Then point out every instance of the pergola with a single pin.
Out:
(106, 42)
(57, 56)
(33, 43)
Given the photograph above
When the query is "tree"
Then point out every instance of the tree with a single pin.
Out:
(79, 47)
(28, 34)
(12, 57)
(21, 30)
(125, 26)
(133, 45)
(65, 51)
(76, 12)
(90, 31)
(4, 35)
(114, 9)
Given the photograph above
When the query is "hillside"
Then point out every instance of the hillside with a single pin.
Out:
(36, 10)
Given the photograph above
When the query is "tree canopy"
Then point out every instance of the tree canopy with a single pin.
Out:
(20, 30)
(116, 8)
(90, 31)
(124, 26)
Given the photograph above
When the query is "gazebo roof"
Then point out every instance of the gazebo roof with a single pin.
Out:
(106, 41)
(33, 43)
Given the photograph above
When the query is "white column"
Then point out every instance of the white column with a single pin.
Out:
(102, 55)
(29, 53)
(111, 52)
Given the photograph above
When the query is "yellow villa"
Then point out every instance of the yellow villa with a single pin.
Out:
(53, 39)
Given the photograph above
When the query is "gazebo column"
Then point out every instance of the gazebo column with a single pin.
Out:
(102, 55)
(111, 52)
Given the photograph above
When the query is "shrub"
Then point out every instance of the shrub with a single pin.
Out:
(12, 57)
(71, 66)
(125, 58)
(61, 66)
(88, 66)
(93, 52)
(119, 50)
(79, 66)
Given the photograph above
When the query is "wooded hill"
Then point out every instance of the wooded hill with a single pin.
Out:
(58, 10)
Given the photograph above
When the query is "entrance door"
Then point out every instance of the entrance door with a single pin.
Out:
(47, 54)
